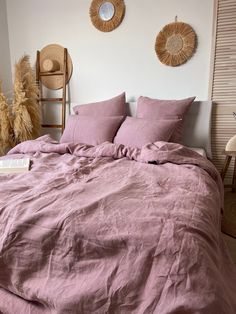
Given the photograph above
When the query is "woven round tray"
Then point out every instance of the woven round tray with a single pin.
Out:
(175, 43)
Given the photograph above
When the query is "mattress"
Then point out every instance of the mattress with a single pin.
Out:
(110, 229)
(199, 150)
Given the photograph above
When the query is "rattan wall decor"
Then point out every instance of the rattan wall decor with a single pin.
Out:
(52, 61)
(106, 15)
(175, 43)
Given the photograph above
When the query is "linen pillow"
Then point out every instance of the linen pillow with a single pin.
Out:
(111, 107)
(136, 132)
(90, 130)
(156, 108)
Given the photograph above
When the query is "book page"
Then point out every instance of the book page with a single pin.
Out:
(14, 163)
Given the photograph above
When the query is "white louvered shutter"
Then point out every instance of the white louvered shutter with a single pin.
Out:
(223, 92)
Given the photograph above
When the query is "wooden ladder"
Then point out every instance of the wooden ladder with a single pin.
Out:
(62, 100)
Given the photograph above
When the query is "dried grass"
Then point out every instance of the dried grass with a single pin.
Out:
(22, 120)
(6, 132)
(25, 107)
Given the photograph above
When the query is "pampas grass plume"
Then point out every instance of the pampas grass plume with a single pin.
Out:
(25, 107)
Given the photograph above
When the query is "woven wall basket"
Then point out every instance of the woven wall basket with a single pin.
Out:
(111, 23)
(175, 43)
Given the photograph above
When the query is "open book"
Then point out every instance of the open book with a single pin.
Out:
(14, 165)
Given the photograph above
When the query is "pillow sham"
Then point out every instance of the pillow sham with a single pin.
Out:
(111, 107)
(90, 130)
(150, 108)
(136, 132)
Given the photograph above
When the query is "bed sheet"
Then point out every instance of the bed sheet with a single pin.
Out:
(109, 229)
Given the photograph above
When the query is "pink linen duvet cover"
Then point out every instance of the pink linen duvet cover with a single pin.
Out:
(109, 229)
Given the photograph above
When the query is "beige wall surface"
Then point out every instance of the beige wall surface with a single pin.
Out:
(106, 64)
(5, 61)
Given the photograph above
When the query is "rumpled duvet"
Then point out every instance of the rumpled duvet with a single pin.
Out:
(110, 229)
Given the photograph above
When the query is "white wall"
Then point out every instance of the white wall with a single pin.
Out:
(105, 64)
(5, 61)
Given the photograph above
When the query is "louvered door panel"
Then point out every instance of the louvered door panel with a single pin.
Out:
(223, 91)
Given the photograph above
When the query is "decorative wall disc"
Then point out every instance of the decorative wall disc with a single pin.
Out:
(175, 43)
(106, 15)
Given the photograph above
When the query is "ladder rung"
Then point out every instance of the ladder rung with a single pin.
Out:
(51, 99)
(51, 73)
(59, 126)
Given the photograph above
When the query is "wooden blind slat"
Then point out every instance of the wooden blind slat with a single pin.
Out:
(224, 81)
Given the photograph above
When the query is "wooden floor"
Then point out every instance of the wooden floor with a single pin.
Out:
(231, 243)
(229, 223)
(229, 217)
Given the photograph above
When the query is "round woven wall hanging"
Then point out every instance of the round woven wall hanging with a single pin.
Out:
(175, 43)
(106, 15)
(51, 60)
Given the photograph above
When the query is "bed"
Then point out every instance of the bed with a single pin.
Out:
(113, 229)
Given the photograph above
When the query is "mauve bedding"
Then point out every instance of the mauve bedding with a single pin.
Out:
(102, 230)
